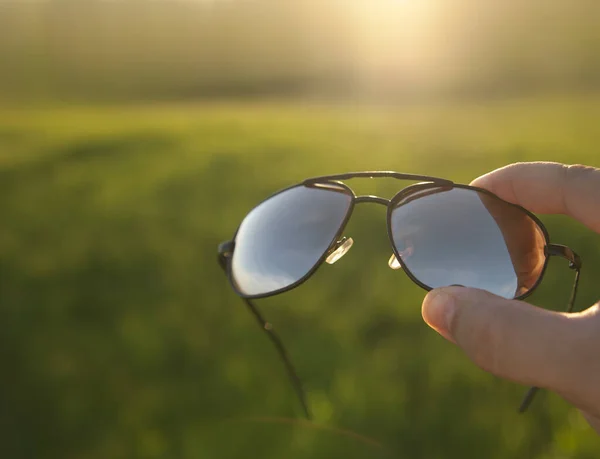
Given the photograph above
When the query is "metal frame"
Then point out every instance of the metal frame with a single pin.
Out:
(338, 234)
(428, 185)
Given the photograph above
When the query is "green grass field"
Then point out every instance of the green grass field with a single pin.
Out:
(121, 337)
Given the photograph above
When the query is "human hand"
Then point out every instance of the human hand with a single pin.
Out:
(513, 339)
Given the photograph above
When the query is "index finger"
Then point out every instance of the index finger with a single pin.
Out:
(549, 188)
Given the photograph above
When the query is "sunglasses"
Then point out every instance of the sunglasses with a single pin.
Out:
(441, 234)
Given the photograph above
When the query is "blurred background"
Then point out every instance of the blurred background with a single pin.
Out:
(136, 134)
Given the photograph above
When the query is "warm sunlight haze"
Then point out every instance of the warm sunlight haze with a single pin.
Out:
(136, 135)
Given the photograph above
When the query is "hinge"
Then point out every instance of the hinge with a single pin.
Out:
(565, 252)
(226, 248)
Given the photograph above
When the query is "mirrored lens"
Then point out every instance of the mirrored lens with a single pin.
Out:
(464, 237)
(283, 238)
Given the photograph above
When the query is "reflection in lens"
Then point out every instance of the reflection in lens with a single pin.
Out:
(461, 236)
(283, 238)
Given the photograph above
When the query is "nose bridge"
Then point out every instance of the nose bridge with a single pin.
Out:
(372, 199)
(393, 262)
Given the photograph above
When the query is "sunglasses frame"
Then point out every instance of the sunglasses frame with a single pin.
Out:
(226, 250)
(432, 183)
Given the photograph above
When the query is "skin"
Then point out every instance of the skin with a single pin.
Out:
(517, 341)
(524, 240)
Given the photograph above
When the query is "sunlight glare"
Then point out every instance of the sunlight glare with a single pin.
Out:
(397, 40)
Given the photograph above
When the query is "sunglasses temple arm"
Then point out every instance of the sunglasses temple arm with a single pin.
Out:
(534, 390)
(282, 352)
(283, 355)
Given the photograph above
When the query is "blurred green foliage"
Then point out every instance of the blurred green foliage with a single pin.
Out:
(121, 337)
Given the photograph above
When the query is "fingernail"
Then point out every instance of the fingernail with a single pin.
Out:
(438, 310)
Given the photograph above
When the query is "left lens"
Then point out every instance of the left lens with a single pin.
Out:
(284, 237)
(460, 236)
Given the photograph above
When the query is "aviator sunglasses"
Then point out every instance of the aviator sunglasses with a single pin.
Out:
(441, 233)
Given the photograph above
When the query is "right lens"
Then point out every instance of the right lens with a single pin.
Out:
(283, 238)
(461, 236)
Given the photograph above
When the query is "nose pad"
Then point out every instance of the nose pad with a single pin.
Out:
(341, 247)
(394, 263)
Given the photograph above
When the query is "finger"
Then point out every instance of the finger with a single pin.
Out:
(549, 188)
(509, 338)
(524, 241)
(585, 394)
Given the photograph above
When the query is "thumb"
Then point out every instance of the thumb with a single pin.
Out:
(508, 338)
